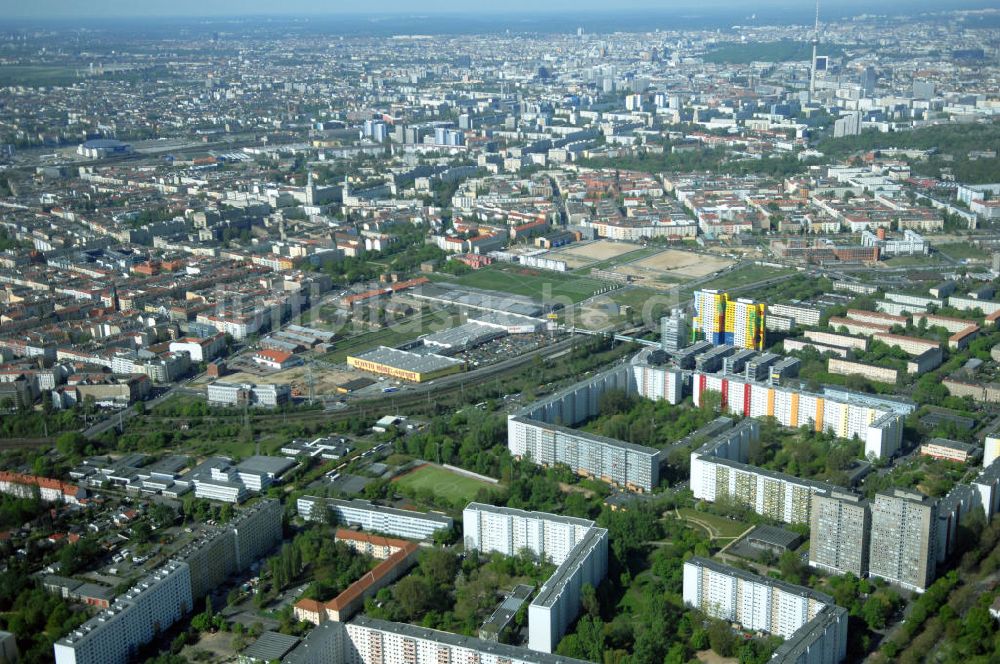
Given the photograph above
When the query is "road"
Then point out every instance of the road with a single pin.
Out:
(118, 418)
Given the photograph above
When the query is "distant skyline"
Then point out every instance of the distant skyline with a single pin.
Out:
(57, 9)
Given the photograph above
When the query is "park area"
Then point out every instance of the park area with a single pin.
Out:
(449, 485)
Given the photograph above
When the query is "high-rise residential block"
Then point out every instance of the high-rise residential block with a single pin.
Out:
(674, 331)
(814, 628)
(840, 529)
(904, 539)
(720, 320)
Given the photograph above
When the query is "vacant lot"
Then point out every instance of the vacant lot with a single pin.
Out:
(325, 380)
(599, 250)
(683, 263)
(451, 486)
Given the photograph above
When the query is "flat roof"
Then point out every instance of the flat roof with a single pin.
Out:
(611, 442)
(270, 646)
(500, 650)
(791, 588)
(265, 464)
(544, 516)
(953, 444)
(408, 361)
(553, 586)
(360, 504)
(774, 535)
(464, 334)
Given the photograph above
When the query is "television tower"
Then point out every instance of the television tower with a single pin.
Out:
(812, 68)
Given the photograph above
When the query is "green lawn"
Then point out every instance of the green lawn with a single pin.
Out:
(745, 275)
(721, 526)
(960, 250)
(444, 483)
(537, 284)
(37, 75)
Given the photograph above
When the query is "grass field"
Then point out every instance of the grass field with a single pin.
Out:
(37, 75)
(537, 284)
(444, 483)
(960, 250)
(719, 526)
(746, 275)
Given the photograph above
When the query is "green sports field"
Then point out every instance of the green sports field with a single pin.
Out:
(444, 483)
(530, 282)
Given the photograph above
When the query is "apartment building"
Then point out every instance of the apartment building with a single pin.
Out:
(232, 547)
(720, 320)
(532, 432)
(814, 627)
(912, 345)
(674, 331)
(576, 546)
(551, 537)
(840, 529)
(635, 467)
(793, 345)
(801, 314)
(857, 327)
(871, 372)
(557, 603)
(719, 469)
(370, 641)
(875, 317)
(116, 633)
(878, 422)
(376, 518)
(903, 540)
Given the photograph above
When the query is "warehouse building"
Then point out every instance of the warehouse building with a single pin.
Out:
(405, 365)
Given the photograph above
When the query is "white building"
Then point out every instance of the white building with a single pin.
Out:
(114, 634)
(232, 394)
(576, 546)
(878, 422)
(763, 604)
(366, 640)
(376, 518)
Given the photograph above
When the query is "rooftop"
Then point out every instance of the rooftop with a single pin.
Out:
(408, 361)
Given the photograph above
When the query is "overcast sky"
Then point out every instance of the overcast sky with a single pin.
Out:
(130, 8)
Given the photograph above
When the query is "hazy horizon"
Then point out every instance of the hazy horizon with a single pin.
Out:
(107, 9)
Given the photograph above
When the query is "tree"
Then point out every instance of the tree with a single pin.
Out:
(721, 638)
(876, 611)
(588, 600)
(413, 595)
(791, 567)
(71, 443)
(439, 566)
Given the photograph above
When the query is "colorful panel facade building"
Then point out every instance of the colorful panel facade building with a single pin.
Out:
(720, 320)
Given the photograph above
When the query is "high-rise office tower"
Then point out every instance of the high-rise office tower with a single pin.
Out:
(903, 540)
(839, 531)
